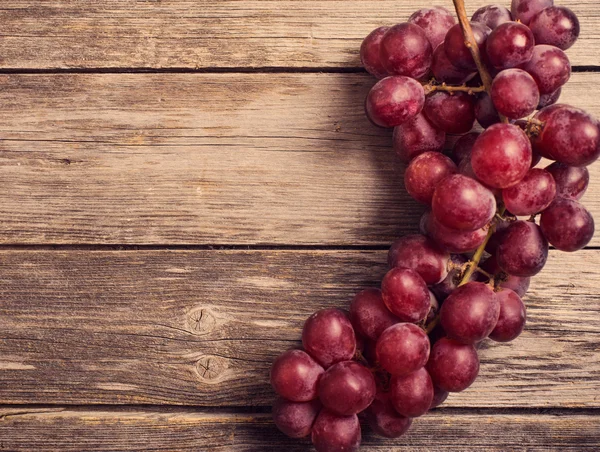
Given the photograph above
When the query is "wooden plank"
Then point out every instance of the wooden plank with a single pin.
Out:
(202, 327)
(216, 33)
(206, 159)
(74, 430)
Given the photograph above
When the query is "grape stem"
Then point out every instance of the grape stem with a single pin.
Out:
(431, 87)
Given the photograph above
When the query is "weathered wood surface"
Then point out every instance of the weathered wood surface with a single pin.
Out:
(215, 33)
(55, 429)
(206, 159)
(202, 327)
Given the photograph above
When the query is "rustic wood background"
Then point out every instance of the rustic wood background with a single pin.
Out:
(184, 181)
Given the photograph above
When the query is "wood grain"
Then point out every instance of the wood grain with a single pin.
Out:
(202, 327)
(59, 34)
(283, 159)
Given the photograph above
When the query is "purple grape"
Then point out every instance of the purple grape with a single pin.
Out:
(492, 15)
(439, 397)
(571, 181)
(295, 419)
(435, 22)
(412, 394)
(567, 225)
(512, 317)
(425, 172)
(524, 10)
(515, 93)
(453, 366)
(294, 376)
(457, 51)
(450, 112)
(369, 315)
(547, 100)
(550, 68)
(509, 45)
(334, 433)
(402, 349)
(452, 240)
(347, 388)
(518, 284)
(463, 146)
(394, 100)
(485, 112)
(328, 337)
(420, 254)
(383, 418)
(444, 71)
(556, 25)
(522, 249)
(406, 50)
(369, 53)
(405, 294)
(417, 136)
(532, 194)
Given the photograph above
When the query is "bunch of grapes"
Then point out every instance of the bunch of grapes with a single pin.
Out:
(402, 348)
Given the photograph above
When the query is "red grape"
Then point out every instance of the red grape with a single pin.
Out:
(555, 25)
(420, 254)
(462, 147)
(294, 376)
(435, 22)
(369, 53)
(458, 52)
(452, 240)
(532, 194)
(295, 419)
(509, 45)
(501, 156)
(383, 418)
(347, 388)
(492, 15)
(334, 433)
(571, 181)
(425, 172)
(451, 112)
(329, 337)
(515, 93)
(443, 69)
(485, 112)
(567, 225)
(518, 284)
(394, 100)
(412, 394)
(549, 99)
(369, 315)
(406, 50)
(417, 136)
(512, 317)
(550, 68)
(405, 294)
(402, 349)
(453, 366)
(522, 249)
(439, 397)
(524, 10)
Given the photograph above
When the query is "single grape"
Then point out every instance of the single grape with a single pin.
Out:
(501, 156)
(549, 99)
(556, 25)
(369, 315)
(383, 418)
(518, 284)
(462, 203)
(334, 433)
(405, 294)
(444, 71)
(425, 172)
(571, 181)
(443, 289)
(435, 22)
(328, 337)
(462, 147)
(492, 15)
(569, 135)
(452, 240)
(347, 388)
(458, 52)
(295, 419)
(522, 249)
(294, 376)
(421, 254)
(550, 68)
(512, 317)
(509, 45)
(453, 366)
(515, 93)
(524, 10)
(450, 112)
(394, 100)
(439, 397)
(567, 225)
(485, 112)
(417, 136)
(406, 50)
(402, 349)
(369, 53)
(532, 194)
(412, 394)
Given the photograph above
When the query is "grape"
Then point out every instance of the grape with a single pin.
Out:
(450, 112)
(369, 53)
(328, 337)
(421, 254)
(443, 69)
(452, 240)
(447, 286)
(571, 181)
(567, 225)
(569, 135)
(509, 45)
(457, 51)
(515, 93)
(550, 68)
(462, 203)
(485, 112)
(295, 419)
(522, 249)
(512, 317)
(518, 284)
(425, 172)
(369, 315)
(501, 156)
(555, 25)
(439, 397)
(470, 313)
(435, 22)
(524, 10)
(492, 15)
(383, 418)
(417, 136)
(412, 394)
(534, 193)
(405, 294)
(394, 100)
(549, 99)
(402, 349)
(453, 366)
(347, 388)
(462, 147)
(333, 433)
(294, 376)
(405, 50)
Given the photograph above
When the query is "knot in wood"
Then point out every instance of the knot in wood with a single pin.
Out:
(211, 368)
(201, 321)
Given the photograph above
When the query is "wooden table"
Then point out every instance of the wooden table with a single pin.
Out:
(184, 182)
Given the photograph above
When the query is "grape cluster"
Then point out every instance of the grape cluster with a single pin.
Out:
(401, 349)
